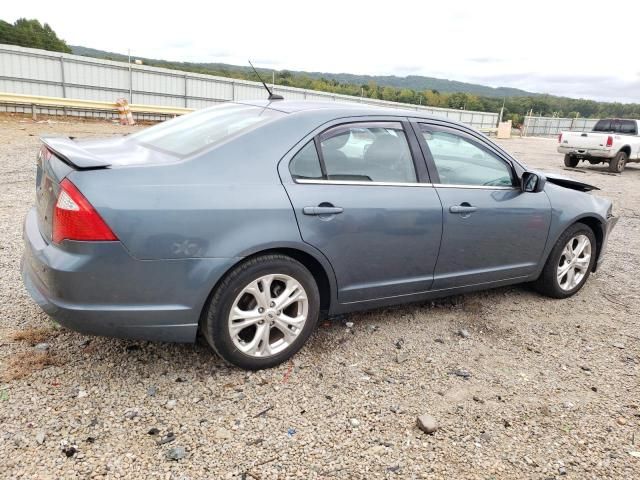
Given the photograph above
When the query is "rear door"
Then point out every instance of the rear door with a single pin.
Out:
(362, 200)
(492, 231)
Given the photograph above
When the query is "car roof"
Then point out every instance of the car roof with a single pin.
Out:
(340, 108)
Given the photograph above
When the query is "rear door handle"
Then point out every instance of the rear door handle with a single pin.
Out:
(322, 210)
(462, 209)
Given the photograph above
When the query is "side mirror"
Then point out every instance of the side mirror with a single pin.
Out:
(532, 182)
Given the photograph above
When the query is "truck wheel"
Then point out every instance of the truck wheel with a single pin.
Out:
(570, 161)
(618, 162)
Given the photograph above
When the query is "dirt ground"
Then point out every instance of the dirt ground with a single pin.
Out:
(538, 388)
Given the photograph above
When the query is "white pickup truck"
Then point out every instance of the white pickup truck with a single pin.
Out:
(611, 141)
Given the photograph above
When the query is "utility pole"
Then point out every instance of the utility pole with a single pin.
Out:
(130, 77)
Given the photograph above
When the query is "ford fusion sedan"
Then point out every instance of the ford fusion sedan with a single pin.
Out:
(246, 222)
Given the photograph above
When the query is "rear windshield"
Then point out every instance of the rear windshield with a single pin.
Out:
(616, 126)
(192, 132)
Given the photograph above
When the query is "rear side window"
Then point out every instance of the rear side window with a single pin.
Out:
(306, 164)
(195, 131)
(603, 126)
(368, 152)
(628, 127)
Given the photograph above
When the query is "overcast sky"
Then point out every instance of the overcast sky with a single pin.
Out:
(572, 48)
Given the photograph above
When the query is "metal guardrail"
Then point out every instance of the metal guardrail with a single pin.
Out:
(41, 101)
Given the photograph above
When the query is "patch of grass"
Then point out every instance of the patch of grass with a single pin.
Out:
(33, 335)
(23, 364)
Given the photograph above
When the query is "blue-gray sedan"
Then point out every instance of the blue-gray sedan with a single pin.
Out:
(247, 221)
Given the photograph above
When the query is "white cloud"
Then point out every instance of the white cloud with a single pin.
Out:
(565, 48)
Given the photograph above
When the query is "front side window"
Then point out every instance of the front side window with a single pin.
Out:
(189, 133)
(368, 152)
(460, 161)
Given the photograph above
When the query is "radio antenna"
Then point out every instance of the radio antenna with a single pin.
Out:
(272, 96)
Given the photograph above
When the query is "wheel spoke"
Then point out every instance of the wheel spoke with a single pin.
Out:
(261, 290)
(582, 264)
(582, 243)
(562, 271)
(241, 320)
(570, 278)
(292, 294)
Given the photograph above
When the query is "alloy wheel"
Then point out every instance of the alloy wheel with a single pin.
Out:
(268, 315)
(574, 262)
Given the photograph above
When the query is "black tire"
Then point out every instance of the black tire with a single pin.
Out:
(570, 161)
(547, 283)
(617, 163)
(215, 322)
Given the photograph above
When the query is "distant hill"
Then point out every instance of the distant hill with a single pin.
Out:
(413, 82)
(418, 82)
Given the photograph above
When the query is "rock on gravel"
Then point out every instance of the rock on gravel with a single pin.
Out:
(176, 453)
(427, 424)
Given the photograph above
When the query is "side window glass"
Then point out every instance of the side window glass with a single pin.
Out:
(461, 162)
(368, 152)
(602, 126)
(628, 126)
(306, 164)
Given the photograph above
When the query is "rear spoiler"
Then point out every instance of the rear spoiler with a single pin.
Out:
(72, 154)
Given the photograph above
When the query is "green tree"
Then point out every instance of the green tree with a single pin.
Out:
(31, 33)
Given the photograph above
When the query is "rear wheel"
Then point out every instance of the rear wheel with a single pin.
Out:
(570, 161)
(262, 312)
(618, 162)
(569, 263)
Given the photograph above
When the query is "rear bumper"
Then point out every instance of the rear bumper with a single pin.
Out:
(586, 152)
(97, 288)
(611, 222)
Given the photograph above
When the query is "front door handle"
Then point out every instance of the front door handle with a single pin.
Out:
(322, 210)
(464, 209)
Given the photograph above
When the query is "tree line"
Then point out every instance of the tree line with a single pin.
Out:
(33, 34)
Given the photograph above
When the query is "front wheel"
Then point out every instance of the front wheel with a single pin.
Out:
(570, 161)
(569, 263)
(618, 162)
(262, 312)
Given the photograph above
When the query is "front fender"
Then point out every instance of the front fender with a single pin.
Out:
(570, 206)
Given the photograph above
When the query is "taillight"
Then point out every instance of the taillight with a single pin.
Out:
(560, 138)
(75, 219)
(609, 141)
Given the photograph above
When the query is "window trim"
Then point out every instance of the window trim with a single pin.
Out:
(419, 166)
(431, 165)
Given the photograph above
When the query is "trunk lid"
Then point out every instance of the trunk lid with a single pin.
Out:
(60, 156)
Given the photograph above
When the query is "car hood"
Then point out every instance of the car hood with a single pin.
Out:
(568, 182)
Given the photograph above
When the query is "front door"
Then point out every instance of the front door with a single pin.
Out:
(492, 231)
(359, 199)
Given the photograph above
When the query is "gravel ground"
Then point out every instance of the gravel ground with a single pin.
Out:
(532, 388)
